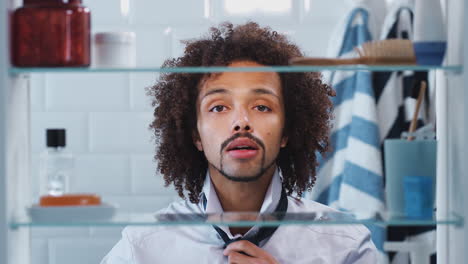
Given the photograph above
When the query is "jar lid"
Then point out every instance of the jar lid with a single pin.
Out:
(75, 199)
(44, 2)
(115, 37)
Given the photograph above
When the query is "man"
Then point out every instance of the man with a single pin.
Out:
(241, 142)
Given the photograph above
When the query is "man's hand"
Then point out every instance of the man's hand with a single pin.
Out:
(245, 252)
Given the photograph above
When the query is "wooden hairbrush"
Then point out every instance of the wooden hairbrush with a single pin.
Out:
(383, 52)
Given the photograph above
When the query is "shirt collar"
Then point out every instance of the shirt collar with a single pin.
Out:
(272, 196)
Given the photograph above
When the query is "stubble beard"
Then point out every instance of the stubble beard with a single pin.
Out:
(244, 178)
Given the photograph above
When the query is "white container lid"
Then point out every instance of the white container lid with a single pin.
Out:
(114, 37)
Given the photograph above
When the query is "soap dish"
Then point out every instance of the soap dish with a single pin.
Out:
(71, 213)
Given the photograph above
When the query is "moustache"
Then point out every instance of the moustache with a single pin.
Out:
(246, 135)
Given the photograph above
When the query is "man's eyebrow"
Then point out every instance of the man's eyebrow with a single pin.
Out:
(215, 91)
(265, 91)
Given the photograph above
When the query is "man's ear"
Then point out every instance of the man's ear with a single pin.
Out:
(197, 141)
(284, 141)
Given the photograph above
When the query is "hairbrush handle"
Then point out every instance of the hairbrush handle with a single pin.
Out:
(414, 121)
(324, 61)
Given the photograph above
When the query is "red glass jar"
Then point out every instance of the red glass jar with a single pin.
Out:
(51, 33)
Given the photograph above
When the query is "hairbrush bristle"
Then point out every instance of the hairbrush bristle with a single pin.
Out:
(388, 51)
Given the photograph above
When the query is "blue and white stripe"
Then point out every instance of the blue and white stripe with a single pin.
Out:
(394, 93)
(350, 178)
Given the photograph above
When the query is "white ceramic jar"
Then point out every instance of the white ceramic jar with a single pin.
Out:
(114, 49)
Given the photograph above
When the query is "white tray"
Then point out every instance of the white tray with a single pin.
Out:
(71, 213)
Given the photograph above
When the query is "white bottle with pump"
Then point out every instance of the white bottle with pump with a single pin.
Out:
(56, 164)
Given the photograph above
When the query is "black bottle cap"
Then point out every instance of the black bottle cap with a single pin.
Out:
(56, 138)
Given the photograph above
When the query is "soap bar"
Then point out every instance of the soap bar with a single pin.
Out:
(70, 200)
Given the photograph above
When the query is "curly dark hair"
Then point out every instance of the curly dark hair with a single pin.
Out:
(306, 102)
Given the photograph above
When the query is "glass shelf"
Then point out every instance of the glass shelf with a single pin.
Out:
(229, 219)
(451, 68)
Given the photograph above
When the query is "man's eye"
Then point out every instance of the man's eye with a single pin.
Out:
(263, 108)
(218, 108)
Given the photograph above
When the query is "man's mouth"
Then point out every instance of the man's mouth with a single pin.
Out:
(242, 148)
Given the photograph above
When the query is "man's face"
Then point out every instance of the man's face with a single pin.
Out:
(240, 121)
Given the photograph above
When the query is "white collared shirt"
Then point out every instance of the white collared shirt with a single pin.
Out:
(202, 244)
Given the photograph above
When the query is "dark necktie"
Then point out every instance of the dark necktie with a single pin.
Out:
(263, 232)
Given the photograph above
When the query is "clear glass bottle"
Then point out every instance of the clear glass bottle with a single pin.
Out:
(56, 164)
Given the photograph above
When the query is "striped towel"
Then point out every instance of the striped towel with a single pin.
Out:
(395, 94)
(350, 177)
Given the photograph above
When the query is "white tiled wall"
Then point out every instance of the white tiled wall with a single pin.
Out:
(107, 115)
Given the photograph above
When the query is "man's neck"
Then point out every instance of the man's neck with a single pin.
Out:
(241, 196)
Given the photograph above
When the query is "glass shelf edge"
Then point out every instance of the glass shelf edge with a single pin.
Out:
(456, 220)
(451, 68)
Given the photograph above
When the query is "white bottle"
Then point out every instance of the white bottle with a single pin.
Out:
(114, 49)
(430, 37)
(429, 25)
(56, 164)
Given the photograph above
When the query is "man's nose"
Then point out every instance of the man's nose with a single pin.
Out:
(242, 123)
